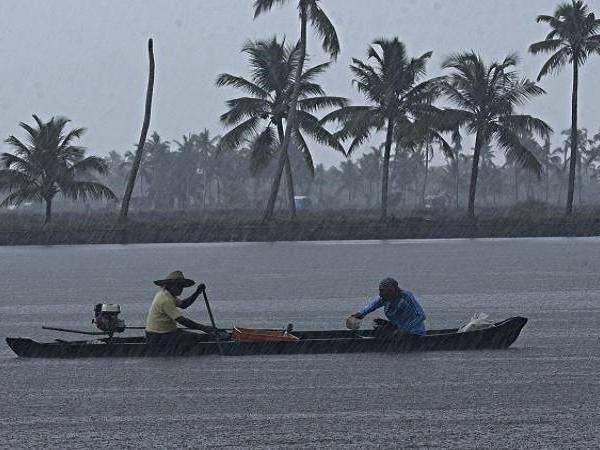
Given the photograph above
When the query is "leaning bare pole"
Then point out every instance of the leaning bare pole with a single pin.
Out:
(140, 147)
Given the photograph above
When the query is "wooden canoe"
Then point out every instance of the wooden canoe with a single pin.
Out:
(499, 336)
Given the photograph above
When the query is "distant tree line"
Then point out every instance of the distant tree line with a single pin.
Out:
(231, 180)
(405, 120)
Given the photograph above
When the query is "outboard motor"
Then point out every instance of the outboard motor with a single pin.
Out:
(106, 318)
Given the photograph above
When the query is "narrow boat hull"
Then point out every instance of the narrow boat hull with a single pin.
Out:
(502, 335)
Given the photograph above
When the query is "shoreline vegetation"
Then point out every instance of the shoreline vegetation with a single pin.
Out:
(246, 226)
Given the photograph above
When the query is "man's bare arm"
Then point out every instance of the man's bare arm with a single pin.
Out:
(189, 323)
(186, 302)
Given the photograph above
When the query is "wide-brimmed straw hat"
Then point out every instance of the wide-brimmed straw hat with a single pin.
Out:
(175, 277)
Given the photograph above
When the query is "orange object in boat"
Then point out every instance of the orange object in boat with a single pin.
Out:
(252, 335)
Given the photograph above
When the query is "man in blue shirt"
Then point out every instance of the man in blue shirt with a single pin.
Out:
(401, 307)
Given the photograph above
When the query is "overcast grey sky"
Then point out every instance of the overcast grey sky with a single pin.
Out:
(86, 59)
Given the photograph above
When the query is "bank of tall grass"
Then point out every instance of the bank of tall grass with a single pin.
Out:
(523, 220)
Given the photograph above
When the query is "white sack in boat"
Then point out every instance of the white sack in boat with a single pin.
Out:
(478, 322)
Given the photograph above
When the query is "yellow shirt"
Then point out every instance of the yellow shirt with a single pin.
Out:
(163, 312)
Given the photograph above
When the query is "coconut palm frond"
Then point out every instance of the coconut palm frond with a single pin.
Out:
(19, 147)
(263, 6)
(347, 113)
(18, 163)
(89, 165)
(72, 135)
(527, 124)
(309, 74)
(305, 152)
(324, 28)
(555, 63)
(358, 122)
(262, 148)
(233, 138)
(244, 108)
(31, 193)
(314, 104)
(549, 45)
(310, 125)
(309, 89)
(226, 79)
(515, 151)
(86, 190)
(11, 179)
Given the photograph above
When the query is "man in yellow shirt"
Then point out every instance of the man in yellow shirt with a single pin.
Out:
(165, 314)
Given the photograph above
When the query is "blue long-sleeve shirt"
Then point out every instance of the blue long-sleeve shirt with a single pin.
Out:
(404, 312)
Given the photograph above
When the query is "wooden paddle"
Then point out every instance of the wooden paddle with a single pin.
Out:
(212, 321)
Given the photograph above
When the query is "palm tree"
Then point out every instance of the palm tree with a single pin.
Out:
(399, 101)
(529, 141)
(143, 171)
(583, 151)
(308, 10)
(50, 164)
(552, 164)
(572, 40)
(117, 172)
(260, 117)
(349, 178)
(454, 170)
(369, 166)
(421, 135)
(187, 162)
(562, 153)
(594, 154)
(211, 166)
(320, 180)
(493, 177)
(486, 97)
(160, 167)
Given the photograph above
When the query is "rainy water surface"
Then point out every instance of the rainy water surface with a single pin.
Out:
(540, 393)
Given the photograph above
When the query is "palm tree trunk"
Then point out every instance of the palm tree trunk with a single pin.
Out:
(288, 175)
(516, 184)
(140, 148)
(218, 192)
(560, 190)
(320, 193)
(424, 191)
(457, 180)
(48, 211)
(386, 169)
(474, 173)
(573, 162)
(290, 187)
(290, 123)
(579, 183)
(204, 189)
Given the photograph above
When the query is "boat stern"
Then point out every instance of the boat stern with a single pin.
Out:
(21, 346)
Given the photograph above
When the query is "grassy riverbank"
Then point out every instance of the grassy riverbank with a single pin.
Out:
(215, 226)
